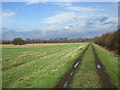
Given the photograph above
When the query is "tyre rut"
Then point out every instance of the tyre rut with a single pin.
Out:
(101, 70)
(65, 81)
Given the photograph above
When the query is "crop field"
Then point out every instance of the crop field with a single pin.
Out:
(71, 65)
(36, 67)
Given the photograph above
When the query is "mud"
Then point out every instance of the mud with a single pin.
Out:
(101, 70)
(65, 81)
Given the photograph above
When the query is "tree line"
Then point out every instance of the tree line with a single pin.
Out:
(110, 40)
(20, 41)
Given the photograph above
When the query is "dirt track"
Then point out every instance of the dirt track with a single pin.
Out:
(101, 70)
(68, 76)
(105, 80)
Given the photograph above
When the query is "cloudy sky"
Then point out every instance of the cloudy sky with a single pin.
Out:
(46, 20)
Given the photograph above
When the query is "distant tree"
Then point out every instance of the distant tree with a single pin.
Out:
(18, 41)
(118, 40)
(6, 42)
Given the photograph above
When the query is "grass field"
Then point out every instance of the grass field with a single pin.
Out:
(37, 67)
(43, 65)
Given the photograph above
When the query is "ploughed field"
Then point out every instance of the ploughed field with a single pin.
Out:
(56, 66)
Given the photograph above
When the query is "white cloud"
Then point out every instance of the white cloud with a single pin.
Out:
(114, 19)
(62, 4)
(67, 27)
(102, 15)
(110, 23)
(60, 18)
(80, 26)
(7, 14)
(33, 2)
(67, 17)
(82, 8)
(69, 6)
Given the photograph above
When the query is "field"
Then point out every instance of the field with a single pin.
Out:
(44, 66)
(37, 66)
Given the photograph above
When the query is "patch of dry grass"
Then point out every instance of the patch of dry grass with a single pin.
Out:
(33, 45)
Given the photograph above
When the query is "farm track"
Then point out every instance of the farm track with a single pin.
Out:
(104, 77)
(101, 70)
(68, 76)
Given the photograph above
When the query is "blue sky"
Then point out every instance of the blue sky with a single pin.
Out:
(58, 19)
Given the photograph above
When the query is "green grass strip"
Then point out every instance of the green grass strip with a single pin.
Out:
(86, 75)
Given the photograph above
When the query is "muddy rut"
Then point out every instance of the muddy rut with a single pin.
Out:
(105, 80)
(101, 70)
(68, 76)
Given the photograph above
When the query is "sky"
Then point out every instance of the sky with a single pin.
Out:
(49, 20)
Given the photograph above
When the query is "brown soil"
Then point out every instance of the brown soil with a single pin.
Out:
(104, 76)
(68, 76)
(18, 64)
(14, 65)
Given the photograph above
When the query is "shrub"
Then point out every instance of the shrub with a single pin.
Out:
(18, 41)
